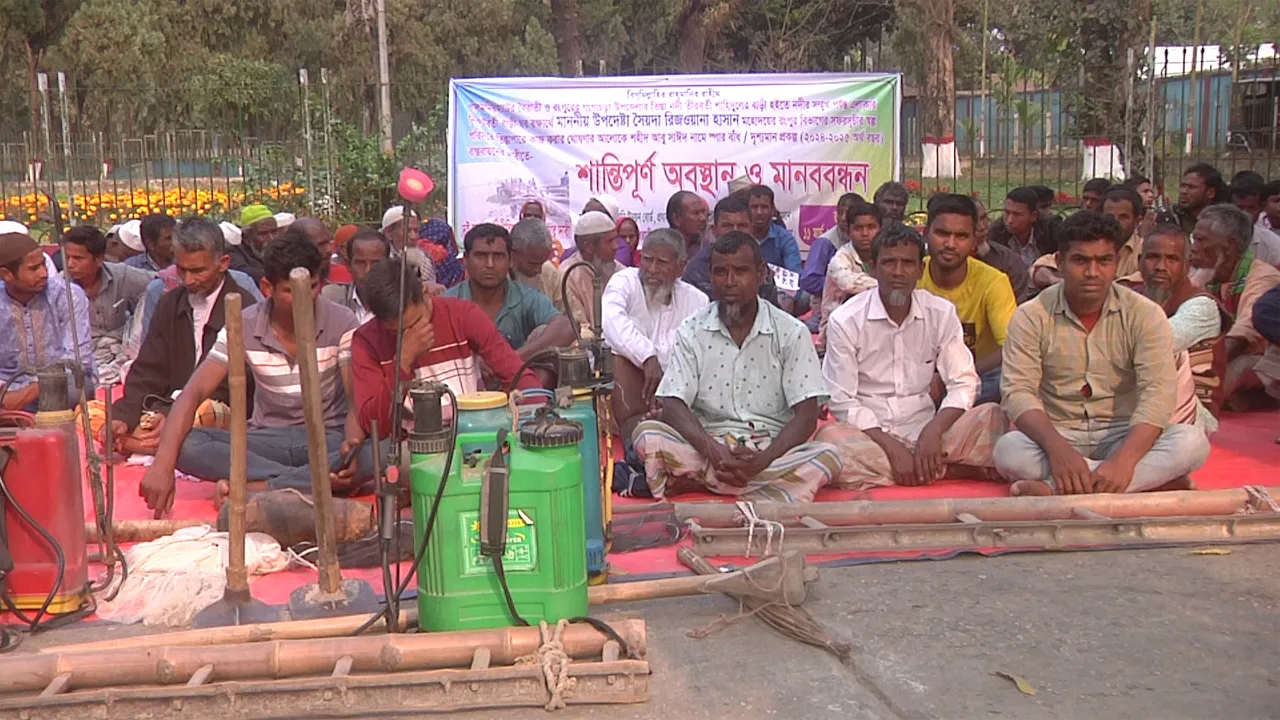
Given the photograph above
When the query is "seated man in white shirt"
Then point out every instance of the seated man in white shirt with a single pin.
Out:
(642, 308)
(883, 348)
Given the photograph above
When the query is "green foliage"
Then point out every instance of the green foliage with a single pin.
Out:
(364, 177)
(246, 97)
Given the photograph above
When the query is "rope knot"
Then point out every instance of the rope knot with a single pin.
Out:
(554, 662)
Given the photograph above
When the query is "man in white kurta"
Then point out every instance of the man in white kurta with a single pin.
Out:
(642, 308)
(884, 348)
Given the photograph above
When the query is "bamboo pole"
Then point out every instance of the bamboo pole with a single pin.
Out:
(298, 658)
(129, 531)
(237, 573)
(647, 590)
(283, 515)
(345, 625)
(1057, 507)
(260, 632)
(304, 329)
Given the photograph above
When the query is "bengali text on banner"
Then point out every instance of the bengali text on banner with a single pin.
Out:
(559, 141)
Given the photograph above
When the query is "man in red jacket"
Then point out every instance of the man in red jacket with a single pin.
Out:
(446, 339)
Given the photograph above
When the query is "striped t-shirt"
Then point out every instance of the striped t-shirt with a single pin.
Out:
(277, 396)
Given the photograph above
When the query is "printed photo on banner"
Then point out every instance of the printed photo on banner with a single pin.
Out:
(559, 141)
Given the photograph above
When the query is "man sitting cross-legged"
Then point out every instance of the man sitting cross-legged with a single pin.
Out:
(981, 294)
(740, 395)
(642, 308)
(883, 348)
(1223, 250)
(277, 452)
(1089, 381)
(184, 328)
(445, 339)
(1196, 318)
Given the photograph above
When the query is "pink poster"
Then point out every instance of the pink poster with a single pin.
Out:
(814, 221)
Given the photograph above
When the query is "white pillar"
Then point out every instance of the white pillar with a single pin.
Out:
(940, 158)
(1101, 159)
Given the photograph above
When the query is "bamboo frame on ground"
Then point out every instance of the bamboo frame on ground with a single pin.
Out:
(298, 658)
(946, 510)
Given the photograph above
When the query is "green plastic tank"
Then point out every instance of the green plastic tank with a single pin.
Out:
(545, 558)
(483, 412)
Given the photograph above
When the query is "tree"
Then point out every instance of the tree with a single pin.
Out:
(564, 28)
(938, 101)
(110, 51)
(39, 24)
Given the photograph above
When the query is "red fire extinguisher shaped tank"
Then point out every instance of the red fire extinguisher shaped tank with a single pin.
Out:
(43, 477)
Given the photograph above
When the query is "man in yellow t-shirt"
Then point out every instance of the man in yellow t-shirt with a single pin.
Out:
(982, 294)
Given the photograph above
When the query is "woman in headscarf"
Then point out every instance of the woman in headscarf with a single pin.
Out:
(628, 242)
(533, 209)
(437, 240)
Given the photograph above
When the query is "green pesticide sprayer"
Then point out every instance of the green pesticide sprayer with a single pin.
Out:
(509, 541)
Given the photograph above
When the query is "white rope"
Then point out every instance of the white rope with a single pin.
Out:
(770, 527)
(1259, 497)
(174, 577)
(554, 662)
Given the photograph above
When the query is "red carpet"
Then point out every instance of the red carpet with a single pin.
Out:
(1244, 452)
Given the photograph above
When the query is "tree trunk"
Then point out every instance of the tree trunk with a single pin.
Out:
(691, 27)
(1105, 40)
(938, 101)
(33, 87)
(564, 28)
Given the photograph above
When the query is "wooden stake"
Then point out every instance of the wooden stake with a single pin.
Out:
(237, 574)
(304, 332)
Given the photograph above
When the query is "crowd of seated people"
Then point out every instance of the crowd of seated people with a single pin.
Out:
(1088, 350)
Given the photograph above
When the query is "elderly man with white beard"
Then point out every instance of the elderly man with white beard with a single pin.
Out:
(883, 348)
(1223, 253)
(642, 309)
(1195, 316)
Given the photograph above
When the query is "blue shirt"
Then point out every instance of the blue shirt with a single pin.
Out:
(39, 333)
(780, 248)
(697, 272)
(815, 267)
(142, 261)
(523, 310)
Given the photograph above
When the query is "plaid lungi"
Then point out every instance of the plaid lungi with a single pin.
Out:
(673, 466)
(970, 441)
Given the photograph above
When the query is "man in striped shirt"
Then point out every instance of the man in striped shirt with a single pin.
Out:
(445, 339)
(277, 452)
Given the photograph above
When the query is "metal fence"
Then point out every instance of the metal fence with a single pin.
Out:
(313, 149)
(1028, 135)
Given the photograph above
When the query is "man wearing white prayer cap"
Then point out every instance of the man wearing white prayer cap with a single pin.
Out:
(130, 234)
(402, 231)
(8, 227)
(230, 233)
(596, 237)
